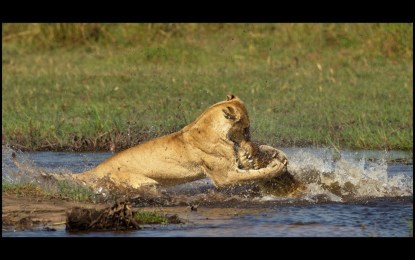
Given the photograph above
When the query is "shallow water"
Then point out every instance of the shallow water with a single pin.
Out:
(374, 197)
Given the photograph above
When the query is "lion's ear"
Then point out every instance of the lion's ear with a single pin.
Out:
(230, 97)
(230, 113)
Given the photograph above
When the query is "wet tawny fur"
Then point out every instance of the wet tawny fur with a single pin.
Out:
(205, 147)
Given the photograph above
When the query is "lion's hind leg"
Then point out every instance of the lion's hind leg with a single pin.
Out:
(119, 179)
(135, 181)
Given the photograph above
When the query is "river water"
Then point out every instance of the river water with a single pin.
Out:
(373, 196)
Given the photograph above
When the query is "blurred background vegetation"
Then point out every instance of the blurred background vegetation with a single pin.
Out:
(109, 86)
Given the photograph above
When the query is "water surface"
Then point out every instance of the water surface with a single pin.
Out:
(379, 202)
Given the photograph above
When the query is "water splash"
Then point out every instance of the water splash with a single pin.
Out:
(24, 171)
(323, 175)
(11, 173)
(347, 178)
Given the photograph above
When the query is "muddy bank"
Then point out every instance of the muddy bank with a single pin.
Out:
(117, 217)
(114, 140)
(28, 213)
(49, 214)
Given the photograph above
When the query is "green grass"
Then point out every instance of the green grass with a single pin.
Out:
(90, 86)
(60, 189)
(147, 217)
(23, 189)
(74, 191)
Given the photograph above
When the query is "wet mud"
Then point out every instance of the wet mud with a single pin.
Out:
(118, 217)
(38, 213)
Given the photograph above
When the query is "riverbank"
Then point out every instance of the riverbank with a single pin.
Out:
(96, 87)
(25, 213)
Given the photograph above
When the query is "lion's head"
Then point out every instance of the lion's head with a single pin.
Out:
(235, 113)
(226, 119)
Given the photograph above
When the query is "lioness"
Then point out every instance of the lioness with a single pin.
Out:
(206, 147)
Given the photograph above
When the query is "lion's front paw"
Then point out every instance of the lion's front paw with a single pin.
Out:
(280, 156)
(285, 162)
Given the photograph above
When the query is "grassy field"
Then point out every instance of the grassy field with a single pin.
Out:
(94, 86)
